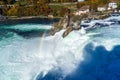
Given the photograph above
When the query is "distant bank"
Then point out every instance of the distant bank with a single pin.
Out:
(6, 18)
(30, 17)
(33, 20)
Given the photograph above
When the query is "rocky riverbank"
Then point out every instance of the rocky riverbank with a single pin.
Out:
(75, 20)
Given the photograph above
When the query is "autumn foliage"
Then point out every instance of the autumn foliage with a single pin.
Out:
(93, 3)
(33, 8)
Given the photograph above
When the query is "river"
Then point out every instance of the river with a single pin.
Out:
(28, 54)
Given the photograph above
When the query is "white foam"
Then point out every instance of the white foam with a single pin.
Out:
(83, 31)
(64, 53)
(113, 17)
(107, 43)
(27, 27)
(18, 59)
(23, 59)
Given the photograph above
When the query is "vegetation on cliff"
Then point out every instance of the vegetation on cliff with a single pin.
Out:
(56, 8)
(93, 3)
(34, 7)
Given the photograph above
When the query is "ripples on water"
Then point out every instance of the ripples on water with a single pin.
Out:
(26, 27)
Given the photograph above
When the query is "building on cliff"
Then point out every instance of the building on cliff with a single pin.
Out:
(83, 10)
(112, 5)
(102, 8)
(80, 0)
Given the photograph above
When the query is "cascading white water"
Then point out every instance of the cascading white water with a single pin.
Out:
(63, 53)
(19, 56)
(25, 59)
(67, 53)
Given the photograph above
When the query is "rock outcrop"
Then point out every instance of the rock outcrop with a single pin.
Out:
(74, 22)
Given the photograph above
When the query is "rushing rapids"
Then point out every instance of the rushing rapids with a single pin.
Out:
(81, 55)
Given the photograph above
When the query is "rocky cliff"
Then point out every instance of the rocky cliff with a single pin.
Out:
(74, 22)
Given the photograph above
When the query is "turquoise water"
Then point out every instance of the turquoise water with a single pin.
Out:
(27, 54)
(19, 48)
(92, 56)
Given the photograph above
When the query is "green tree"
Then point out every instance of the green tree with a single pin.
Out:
(118, 5)
(13, 11)
(1, 2)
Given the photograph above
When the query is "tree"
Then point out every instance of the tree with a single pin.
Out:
(8, 1)
(94, 4)
(80, 4)
(1, 2)
(13, 11)
(118, 5)
(5, 10)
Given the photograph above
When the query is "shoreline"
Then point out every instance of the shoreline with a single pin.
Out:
(30, 17)
(77, 19)
(27, 17)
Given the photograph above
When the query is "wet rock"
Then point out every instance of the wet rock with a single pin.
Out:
(69, 29)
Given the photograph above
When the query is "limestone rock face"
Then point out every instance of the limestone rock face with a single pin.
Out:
(73, 22)
(69, 29)
(62, 24)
